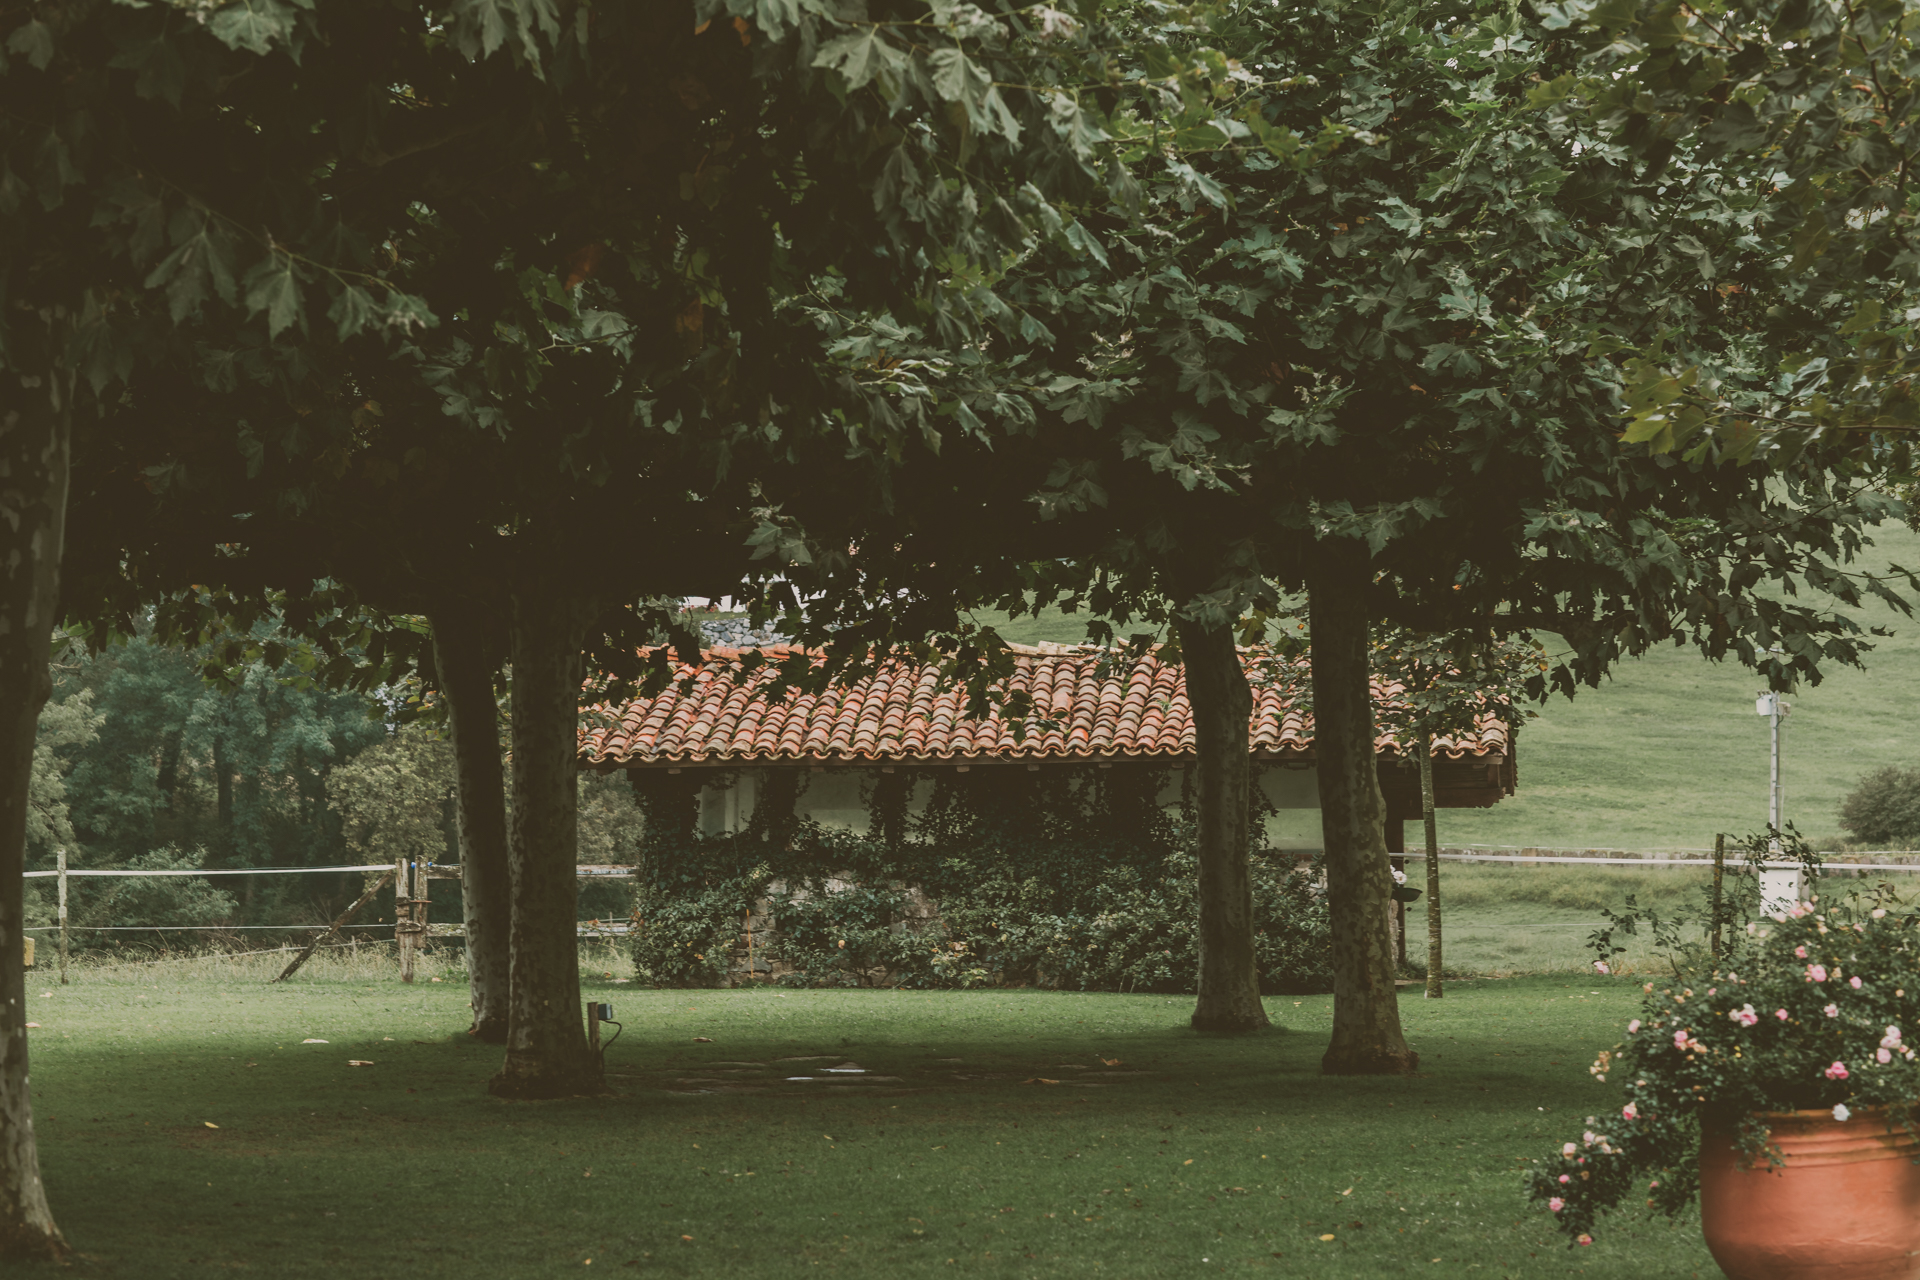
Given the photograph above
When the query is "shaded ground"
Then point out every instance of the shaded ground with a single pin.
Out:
(1157, 1152)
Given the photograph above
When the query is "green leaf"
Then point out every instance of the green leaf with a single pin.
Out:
(253, 25)
(201, 265)
(955, 77)
(34, 42)
(860, 57)
(273, 286)
(353, 310)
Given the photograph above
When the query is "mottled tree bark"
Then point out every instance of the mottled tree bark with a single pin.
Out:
(547, 1054)
(1222, 702)
(1366, 1013)
(1435, 990)
(466, 663)
(35, 417)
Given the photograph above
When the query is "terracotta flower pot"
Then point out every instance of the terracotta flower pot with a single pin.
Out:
(1845, 1207)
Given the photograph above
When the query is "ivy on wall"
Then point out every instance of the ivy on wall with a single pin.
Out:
(1071, 876)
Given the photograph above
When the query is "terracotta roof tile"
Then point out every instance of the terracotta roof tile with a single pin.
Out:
(1138, 710)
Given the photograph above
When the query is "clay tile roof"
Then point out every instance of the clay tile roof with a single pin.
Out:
(1136, 710)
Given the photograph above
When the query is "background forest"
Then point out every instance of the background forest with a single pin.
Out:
(141, 762)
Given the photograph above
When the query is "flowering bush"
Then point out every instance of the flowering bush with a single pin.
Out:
(1813, 1012)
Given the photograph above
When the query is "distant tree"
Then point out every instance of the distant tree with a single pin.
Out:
(65, 727)
(395, 799)
(1883, 809)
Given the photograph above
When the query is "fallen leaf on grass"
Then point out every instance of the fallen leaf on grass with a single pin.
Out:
(1328, 1236)
(210, 1124)
(313, 1042)
(34, 1025)
(358, 1062)
(703, 1039)
(1039, 1080)
(688, 1239)
(1347, 1192)
(1113, 1062)
(1186, 1162)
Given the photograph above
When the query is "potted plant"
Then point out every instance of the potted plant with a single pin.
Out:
(1780, 1091)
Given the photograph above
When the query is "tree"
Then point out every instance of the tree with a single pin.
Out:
(1810, 102)
(1381, 375)
(596, 312)
(158, 200)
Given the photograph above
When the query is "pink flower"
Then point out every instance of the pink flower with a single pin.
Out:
(1569, 1149)
(1816, 973)
(1854, 982)
(1633, 1026)
(1832, 1011)
(1556, 1204)
(1632, 1112)
(1566, 1177)
(1600, 966)
(1679, 1039)
(1883, 1056)
(1838, 1071)
(1744, 1015)
(1801, 952)
(1584, 1238)
(1780, 1014)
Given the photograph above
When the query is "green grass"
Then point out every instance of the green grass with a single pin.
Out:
(1502, 920)
(1669, 751)
(1218, 1154)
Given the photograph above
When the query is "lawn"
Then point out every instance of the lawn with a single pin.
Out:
(1010, 1132)
(1669, 751)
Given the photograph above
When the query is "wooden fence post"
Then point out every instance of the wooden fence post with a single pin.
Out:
(1719, 875)
(63, 917)
(403, 927)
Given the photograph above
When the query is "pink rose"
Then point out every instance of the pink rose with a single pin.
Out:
(1883, 1056)
(1780, 1014)
(1679, 1039)
(1816, 973)
(1633, 1113)
(1569, 1149)
(1584, 1238)
(1801, 952)
(1556, 1204)
(1832, 1011)
(1566, 1177)
(1838, 1071)
(1854, 982)
(1633, 1026)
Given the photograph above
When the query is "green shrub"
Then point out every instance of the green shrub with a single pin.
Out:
(858, 936)
(1883, 809)
(1073, 878)
(687, 939)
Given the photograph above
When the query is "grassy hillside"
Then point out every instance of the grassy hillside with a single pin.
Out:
(1669, 751)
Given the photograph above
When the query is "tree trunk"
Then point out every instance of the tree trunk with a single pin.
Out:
(547, 1054)
(466, 665)
(1366, 1013)
(1222, 702)
(34, 443)
(1434, 988)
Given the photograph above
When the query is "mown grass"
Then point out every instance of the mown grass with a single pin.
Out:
(1220, 1154)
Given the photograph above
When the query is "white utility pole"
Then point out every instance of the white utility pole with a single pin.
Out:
(1780, 886)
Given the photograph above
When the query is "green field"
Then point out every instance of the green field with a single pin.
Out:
(1004, 1133)
(1669, 751)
